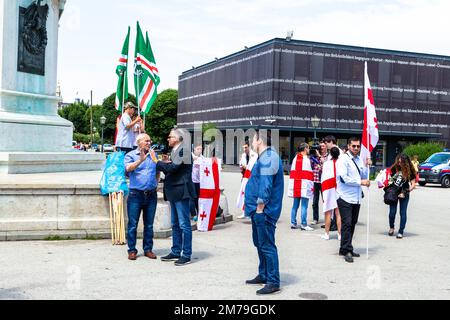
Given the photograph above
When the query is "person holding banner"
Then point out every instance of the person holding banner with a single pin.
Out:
(263, 203)
(179, 191)
(142, 197)
(351, 174)
(125, 135)
(329, 184)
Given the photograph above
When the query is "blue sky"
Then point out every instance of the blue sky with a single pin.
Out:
(191, 33)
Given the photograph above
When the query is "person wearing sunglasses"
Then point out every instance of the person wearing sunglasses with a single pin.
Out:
(351, 173)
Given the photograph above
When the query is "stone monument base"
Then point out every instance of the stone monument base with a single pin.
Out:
(42, 162)
(54, 206)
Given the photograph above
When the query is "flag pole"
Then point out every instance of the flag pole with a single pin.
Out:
(368, 166)
(123, 90)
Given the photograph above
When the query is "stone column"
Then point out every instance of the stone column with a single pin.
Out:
(29, 122)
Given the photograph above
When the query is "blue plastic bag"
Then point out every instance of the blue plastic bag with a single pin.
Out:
(113, 178)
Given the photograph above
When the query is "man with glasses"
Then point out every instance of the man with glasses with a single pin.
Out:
(142, 197)
(179, 191)
(351, 174)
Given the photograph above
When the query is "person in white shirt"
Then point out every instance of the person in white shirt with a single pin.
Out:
(125, 135)
(245, 158)
(196, 156)
(138, 128)
(351, 174)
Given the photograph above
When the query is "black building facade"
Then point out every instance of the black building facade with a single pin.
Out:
(282, 84)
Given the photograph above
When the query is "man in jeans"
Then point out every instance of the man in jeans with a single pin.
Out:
(142, 197)
(350, 175)
(263, 203)
(179, 191)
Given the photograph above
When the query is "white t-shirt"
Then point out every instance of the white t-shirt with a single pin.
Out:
(125, 136)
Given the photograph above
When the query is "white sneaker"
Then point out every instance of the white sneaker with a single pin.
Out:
(242, 216)
(339, 236)
(306, 228)
(314, 222)
(325, 236)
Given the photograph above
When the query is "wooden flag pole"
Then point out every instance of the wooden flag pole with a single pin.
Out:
(111, 219)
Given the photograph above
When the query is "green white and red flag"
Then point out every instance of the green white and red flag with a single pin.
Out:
(121, 71)
(146, 76)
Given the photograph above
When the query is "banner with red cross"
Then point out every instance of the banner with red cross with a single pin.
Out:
(209, 196)
(247, 174)
(301, 179)
(329, 185)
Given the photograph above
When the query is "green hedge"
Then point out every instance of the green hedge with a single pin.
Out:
(423, 149)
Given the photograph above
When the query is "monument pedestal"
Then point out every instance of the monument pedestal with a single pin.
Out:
(40, 162)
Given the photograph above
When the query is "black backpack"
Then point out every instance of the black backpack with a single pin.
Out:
(391, 193)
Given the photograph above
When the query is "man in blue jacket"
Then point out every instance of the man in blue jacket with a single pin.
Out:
(263, 202)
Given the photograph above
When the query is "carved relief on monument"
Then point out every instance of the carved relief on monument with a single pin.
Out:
(32, 38)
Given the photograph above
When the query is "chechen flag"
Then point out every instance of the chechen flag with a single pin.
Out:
(208, 200)
(301, 184)
(370, 130)
(329, 185)
(247, 174)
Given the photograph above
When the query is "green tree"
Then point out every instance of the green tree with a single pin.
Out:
(423, 149)
(75, 113)
(162, 116)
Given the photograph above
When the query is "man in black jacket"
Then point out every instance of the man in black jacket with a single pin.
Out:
(178, 190)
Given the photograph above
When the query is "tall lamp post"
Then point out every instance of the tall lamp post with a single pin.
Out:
(315, 123)
(102, 122)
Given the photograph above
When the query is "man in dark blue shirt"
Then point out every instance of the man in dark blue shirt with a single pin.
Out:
(263, 203)
(143, 197)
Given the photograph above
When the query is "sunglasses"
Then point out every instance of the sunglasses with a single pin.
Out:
(355, 146)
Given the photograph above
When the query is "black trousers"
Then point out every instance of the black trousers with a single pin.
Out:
(317, 193)
(349, 216)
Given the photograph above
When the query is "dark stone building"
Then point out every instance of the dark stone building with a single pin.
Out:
(284, 83)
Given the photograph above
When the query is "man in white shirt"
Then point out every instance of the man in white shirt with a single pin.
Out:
(245, 158)
(125, 135)
(351, 174)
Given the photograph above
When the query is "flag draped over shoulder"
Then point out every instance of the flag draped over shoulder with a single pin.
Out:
(370, 130)
(146, 76)
(301, 179)
(121, 71)
(247, 174)
(329, 184)
(209, 196)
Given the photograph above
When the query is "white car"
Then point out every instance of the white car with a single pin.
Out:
(108, 148)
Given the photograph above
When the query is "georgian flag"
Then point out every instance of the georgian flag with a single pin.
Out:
(370, 131)
(329, 185)
(301, 180)
(247, 174)
(209, 196)
(121, 71)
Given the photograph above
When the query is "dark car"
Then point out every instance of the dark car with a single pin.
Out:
(436, 169)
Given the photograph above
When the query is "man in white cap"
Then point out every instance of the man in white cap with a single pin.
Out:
(125, 135)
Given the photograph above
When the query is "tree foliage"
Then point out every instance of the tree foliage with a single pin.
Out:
(162, 116)
(423, 149)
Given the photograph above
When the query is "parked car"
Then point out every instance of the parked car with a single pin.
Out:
(108, 147)
(436, 169)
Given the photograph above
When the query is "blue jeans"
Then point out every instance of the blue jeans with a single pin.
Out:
(264, 241)
(304, 211)
(181, 228)
(137, 202)
(393, 213)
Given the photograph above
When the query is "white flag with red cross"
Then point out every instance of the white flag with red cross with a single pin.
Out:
(247, 174)
(208, 200)
(329, 185)
(370, 131)
(301, 179)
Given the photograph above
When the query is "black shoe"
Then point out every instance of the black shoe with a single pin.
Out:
(356, 255)
(256, 280)
(170, 257)
(348, 257)
(322, 226)
(268, 289)
(182, 261)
